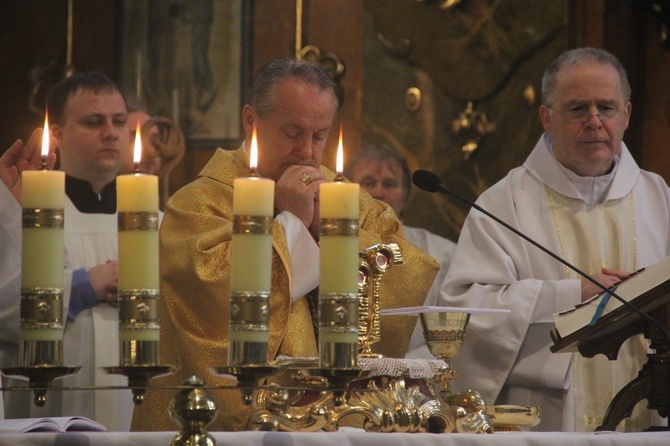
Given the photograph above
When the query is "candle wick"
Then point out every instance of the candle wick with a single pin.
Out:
(136, 167)
(254, 172)
(339, 178)
(44, 163)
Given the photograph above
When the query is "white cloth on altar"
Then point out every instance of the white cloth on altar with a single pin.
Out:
(442, 250)
(494, 268)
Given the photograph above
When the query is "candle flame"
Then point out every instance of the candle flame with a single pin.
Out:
(339, 164)
(45, 137)
(137, 152)
(253, 153)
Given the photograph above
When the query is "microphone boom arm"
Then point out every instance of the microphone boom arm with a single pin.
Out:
(430, 182)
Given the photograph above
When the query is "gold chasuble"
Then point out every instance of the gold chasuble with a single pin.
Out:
(195, 238)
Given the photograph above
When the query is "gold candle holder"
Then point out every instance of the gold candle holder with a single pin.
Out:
(338, 330)
(138, 327)
(338, 311)
(41, 307)
(41, 327)
(248, 331)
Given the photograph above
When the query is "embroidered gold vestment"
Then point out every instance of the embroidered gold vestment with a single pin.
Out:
(195, 238)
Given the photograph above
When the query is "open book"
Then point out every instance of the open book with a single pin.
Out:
(52, 424)
(637, 284)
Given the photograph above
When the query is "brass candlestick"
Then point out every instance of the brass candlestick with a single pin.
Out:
(41, 327)
(248, 331)
(41, 308)
(338, 311)
(138, 301)
(138, 327)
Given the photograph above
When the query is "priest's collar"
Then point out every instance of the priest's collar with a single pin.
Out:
(593, 190)
(85, 200)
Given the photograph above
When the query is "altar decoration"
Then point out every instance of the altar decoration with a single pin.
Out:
(251, 266)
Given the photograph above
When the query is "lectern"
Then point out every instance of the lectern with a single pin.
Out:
(607, 335)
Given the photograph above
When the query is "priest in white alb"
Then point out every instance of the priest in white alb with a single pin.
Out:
(581, 194)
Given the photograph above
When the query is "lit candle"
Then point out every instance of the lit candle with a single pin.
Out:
(338, 276)
(251, 265)
(137, 206)
(43, 196)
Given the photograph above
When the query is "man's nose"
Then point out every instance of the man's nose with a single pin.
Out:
(303, 148)
(377, 192)
(109, 130)
(593, 118)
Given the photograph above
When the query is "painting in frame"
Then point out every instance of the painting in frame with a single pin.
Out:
(188, 61)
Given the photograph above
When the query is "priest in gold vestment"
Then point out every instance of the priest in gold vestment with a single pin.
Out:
(292, 105)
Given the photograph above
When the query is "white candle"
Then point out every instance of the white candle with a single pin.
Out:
(339, 253)
(338, 268)
(43, 196)
(138, 248)
(137, 206)
(251, 254)
(251, 266)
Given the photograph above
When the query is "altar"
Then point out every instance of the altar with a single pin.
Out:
(343, 438)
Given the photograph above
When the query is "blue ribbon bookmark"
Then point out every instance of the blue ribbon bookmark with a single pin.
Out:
(602, 305)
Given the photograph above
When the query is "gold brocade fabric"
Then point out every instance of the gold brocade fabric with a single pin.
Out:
(195, 240)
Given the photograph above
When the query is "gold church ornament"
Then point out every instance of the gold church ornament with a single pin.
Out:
(374, 262)
(470, 128)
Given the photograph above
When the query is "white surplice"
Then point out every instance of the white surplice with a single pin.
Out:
(506, 357)
(442, 250)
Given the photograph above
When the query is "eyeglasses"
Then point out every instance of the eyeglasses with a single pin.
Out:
(582, 113)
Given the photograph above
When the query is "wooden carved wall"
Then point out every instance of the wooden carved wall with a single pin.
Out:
(479, 62)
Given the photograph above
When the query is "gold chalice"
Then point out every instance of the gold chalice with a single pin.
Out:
(444, 333)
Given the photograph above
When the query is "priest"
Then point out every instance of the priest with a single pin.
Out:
(292, 105)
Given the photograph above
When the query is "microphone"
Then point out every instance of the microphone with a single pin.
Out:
(430, 182)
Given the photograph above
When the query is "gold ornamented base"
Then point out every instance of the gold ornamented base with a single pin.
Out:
(40, 378)
(391, 406)
(139, 377)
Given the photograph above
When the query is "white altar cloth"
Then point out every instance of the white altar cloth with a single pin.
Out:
(343, 439)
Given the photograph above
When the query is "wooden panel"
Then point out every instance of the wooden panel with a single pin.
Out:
(586, 23)
(273, 31)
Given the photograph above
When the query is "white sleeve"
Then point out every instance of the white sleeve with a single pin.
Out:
(304, 255)
(10, 265)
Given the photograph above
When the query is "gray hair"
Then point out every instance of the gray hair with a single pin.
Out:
(261, 91)
(383, 154)
(575, 57)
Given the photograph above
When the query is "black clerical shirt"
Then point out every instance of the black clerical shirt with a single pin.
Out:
(86, 201)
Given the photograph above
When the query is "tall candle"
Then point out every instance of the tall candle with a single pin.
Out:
(137, 207)
(137, 198)
(251, 265)
(43, 196)
(338, 270)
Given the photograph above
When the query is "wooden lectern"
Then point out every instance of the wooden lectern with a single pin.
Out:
(606, 337)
